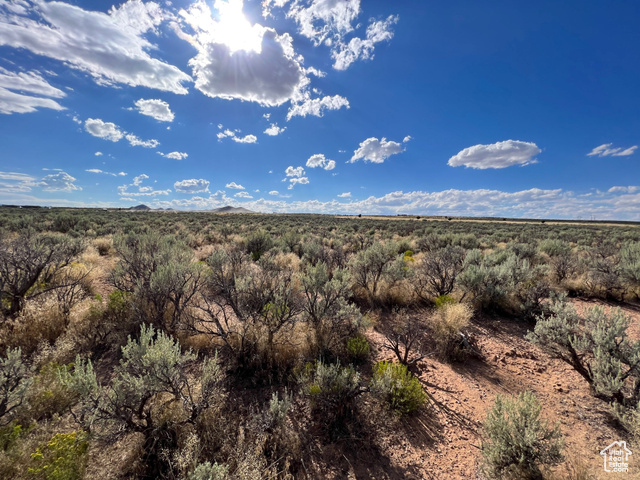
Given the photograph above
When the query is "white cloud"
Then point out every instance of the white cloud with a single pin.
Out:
(296, 180)
(137, 181)
(242, 195)
(136, 142)
(105, 130)
(406, 139)
(606, 151)
(274, 130)
(110, 131)
(233, 135)
(140, 190)
(155, 108)
(318, 160)
(237, 60)
(192, 186)
(98, 154)
(26, 83)
(274, 192)
(316, 106)
(109, 47)
(322, 20)
(344, 54)
(376, 151)
(174, 155)
(58, 182)
(245, 139)
(345, 195)
(294, 172)
(234, 185)
(98, 171)
(331, 22)
(629, 189)
(13, 182)
(496, 155)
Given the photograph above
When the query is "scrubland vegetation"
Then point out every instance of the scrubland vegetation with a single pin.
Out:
(200, 346)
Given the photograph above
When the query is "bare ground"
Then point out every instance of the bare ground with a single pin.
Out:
(443, 441)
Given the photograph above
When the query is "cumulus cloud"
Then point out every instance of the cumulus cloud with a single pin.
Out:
(321, 20)
(295, 175)
(242, 195)
(237, 60)
(192, 186)
(98, 154)
(155, 108)
(137, 181)
(111, 47)
(345, 195)
(233, 135)
(294, 172)
(174, 155)
(331, 23)
(31, 90)
(296, 180)
(110, 131)
(105, 130)
(274, 130)
(134, 141)
(629, 189)
(362, 48)
(319, 160)
(274, 192)
(136, 189)
(606, 150)
(234, 185)
(58, 182)
(496, 155)
(376, 151)
(316, 106)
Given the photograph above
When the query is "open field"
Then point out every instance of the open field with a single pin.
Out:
(192, 345)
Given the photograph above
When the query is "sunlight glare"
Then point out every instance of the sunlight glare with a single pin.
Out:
(234, 30)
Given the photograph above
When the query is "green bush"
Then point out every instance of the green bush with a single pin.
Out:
(207, 471)
(358, 348)
(517, 441)
(442, 300)
(398, 387)
(61, 458)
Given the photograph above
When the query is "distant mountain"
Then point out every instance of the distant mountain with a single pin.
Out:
(140, 207)
(230, 209)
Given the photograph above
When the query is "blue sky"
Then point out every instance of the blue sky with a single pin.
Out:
(503, 108)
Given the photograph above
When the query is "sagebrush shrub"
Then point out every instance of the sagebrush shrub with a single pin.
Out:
(597, 347)
(436, 274)
(14, 382)
(332, 390)
(395, 384)
(517, 442)
(208, 471)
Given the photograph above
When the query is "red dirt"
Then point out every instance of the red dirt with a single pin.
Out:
(443, 442)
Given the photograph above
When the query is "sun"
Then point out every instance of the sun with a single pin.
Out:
(234, 30)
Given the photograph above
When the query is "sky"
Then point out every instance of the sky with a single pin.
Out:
(503, 108)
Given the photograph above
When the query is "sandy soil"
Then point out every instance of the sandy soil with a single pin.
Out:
(443, 442)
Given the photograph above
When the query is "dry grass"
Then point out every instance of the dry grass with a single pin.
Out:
(448, 323)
